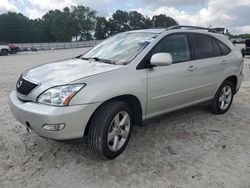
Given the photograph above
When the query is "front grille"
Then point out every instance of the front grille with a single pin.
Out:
(24, 86)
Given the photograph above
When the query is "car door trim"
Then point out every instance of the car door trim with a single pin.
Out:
(184, 91)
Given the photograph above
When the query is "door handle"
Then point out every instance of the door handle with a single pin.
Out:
(192, 68)
(224, 62)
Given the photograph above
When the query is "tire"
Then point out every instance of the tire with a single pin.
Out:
(224, 95)
(104, 124)
(13, 51)
(4, 52)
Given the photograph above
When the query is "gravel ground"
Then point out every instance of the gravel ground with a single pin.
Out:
(189, 148)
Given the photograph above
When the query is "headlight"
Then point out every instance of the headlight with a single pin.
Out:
(60, 95)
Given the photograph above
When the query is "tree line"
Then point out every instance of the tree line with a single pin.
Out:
(78, 22)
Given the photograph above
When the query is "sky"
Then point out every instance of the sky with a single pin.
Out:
(231, 14)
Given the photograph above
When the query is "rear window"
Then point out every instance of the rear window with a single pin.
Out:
(203, 46)
(225, 50)
(217, 50)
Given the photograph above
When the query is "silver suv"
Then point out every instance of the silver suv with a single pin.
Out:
(128, 78)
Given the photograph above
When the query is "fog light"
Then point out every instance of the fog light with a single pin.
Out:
(54, 127)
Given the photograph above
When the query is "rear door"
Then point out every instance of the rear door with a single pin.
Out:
(209, 64)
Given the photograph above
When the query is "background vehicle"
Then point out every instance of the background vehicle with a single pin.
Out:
(246, 51)
(128, 78)
(4, 49)
(12, 48)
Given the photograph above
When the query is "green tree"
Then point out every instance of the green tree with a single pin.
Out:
(38, 32)
(74, 21)
(52, 25)
(112, 27)
(85, 18)
(71, 23)
(148, 23)
(101, 28)
(14, 27)
(63, 25)
(119, 22)
(162, 21)
(60, 25)
(244, 36)
(136, 20)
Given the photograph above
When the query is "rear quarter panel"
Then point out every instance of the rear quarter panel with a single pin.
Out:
(234, 61)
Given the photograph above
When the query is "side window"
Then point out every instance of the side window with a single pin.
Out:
(217, 50)
(177, 45)
(203, 46)
(225, 50)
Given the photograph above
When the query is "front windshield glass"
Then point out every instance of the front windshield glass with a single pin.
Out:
(121, 48)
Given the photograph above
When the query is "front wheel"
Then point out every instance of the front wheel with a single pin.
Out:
(110, 129)
(223, 98)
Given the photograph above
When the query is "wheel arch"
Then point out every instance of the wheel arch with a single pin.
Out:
(131, 100)
(234, 80)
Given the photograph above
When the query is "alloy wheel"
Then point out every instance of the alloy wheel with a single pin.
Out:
(118, 131)
(225, 97)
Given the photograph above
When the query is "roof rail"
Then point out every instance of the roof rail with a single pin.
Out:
(191, 27)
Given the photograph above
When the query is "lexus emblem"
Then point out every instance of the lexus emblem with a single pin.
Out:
(18, 85)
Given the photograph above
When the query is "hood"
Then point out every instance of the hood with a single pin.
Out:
(64, 72)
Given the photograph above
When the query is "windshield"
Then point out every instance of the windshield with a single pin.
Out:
(121, 48)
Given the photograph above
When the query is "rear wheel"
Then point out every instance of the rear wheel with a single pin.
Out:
(13, 51)
(4, 52)
(110, 129)
(223, 98)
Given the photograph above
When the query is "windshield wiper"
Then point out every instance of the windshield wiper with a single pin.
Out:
(99, 59)
(84, 58)
(103, 60)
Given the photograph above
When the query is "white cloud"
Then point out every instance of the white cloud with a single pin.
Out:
(5, 6)
(158, 3)
(50, 4)
(34, 13)
(242, 29)
(101, 6)
(219, 13)
(40, 7)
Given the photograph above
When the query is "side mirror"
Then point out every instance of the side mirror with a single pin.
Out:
(161, 59)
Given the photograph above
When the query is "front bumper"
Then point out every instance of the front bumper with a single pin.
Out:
(36, 115)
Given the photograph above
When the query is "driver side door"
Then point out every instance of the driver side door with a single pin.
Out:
(171, 87)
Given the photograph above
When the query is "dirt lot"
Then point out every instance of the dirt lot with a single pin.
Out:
(188, 148)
